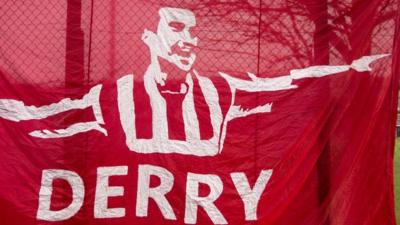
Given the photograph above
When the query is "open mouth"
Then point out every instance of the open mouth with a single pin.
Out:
(184, 61)
(185, 58)
(181, 53)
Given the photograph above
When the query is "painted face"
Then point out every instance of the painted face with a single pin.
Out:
(174, 32)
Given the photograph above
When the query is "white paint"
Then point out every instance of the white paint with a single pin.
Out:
(190, 120)
(363, 64)
(126, 108)
(160, 142)
(17, 111)
(158, 105)
(251, 196)
(145, 192)
(317, 71)
(259, 84)
(46, 190)
(69, 131)
(212, 99)
(168, 37)
(193, 200)
(104, 191)
(237, 111)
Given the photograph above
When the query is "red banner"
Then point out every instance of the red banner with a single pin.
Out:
(198, 112)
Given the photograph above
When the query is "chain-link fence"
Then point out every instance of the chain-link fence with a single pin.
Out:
(48, 42)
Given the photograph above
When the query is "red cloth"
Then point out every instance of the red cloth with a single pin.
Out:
(329, 142)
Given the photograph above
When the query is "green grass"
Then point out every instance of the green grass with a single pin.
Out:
(397, 179)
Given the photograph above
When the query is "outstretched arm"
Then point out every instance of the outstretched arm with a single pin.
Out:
(256, 84)
(362, 64)
(15, 110)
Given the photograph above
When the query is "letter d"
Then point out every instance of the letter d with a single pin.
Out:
(46, 190)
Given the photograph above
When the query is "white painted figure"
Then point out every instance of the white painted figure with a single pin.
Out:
(173, 43)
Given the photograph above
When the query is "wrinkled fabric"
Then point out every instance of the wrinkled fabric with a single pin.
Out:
(198, 112)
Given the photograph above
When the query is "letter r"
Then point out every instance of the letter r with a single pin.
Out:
(158, 193)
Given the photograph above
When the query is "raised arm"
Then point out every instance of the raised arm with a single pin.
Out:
(15, 110)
